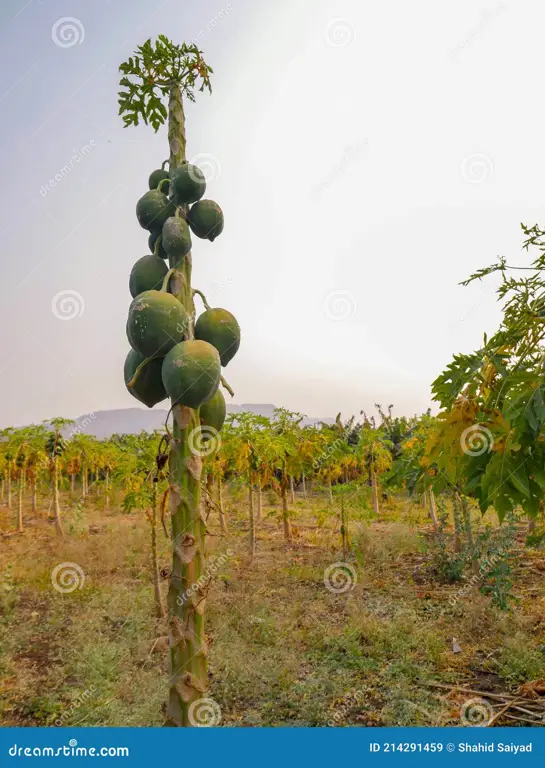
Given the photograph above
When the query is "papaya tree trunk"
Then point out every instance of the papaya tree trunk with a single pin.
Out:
(33, 494)
(374, 484)
(330, 490)
(344, 532)
(285, 512)
(457, 541)
(84, 481)
(292, 491)
(107, 489)
(56, 505)
(251, 513)
(433, 510)
(259, 500)
(304, 487)
(221, 511)
(72, 483)
(466, 517)
(159, 609)
(9, 484)
(20, 503)
(188, 651)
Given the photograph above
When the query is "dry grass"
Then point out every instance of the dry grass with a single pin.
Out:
(284, 650)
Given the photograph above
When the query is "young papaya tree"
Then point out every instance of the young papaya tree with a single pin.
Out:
(492, 419)
(55, 447)
(172, 354)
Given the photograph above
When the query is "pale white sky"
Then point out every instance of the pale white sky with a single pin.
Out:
(368, 156)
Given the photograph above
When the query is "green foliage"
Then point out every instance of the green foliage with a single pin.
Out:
(149, 75)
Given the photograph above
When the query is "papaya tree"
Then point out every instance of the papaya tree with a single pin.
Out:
(375, 453)
(172, 354)
(55, 448)
(493, 399)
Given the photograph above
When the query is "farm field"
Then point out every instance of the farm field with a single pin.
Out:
(283, 648)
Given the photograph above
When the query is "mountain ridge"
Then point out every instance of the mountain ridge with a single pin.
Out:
(103, 424)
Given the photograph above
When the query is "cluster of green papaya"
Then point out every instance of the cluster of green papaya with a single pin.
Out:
(162, 361)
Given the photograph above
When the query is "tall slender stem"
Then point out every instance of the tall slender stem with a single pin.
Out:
(188, 652)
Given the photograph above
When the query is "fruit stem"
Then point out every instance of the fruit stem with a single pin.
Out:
(165, 162)
(166, 278)
(203, 297)
(156, 246)
(163, 181)
(226, 386)
(132, 382)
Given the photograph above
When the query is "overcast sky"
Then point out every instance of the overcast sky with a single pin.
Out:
(367, 155)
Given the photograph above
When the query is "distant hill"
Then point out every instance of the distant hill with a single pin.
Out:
(103, 424)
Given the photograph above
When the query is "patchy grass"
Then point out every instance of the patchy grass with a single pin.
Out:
(284, 648)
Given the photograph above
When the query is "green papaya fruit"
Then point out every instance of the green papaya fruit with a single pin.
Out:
(212, 414)
(219, 328)
(157, 322)
(153, 209)
(156, 177)
(176, 238)
(187, 183)
(148, 387)
(206, 219)
(152, 239)
(191, 373)
(147, 274)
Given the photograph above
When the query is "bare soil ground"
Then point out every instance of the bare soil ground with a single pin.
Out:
(284, 648)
